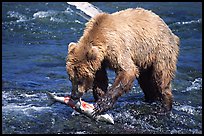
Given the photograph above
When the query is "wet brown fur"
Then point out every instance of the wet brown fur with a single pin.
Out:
(136, 44)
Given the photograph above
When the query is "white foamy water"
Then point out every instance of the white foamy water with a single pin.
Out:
(187, 22)
(18, 16)
(29, 95)
(51, 14)
(44, 14)
(124, 116)
(81, 132)
(188, 109)
(195, 85)
(24, 109)
(56, 20)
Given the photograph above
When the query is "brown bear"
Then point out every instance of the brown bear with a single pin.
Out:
(136, 44)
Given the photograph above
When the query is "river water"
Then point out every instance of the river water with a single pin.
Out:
(34, 46)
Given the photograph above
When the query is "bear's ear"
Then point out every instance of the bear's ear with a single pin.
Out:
(71, 46)
(92, 53)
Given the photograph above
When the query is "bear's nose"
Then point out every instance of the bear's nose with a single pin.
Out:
(76, 96)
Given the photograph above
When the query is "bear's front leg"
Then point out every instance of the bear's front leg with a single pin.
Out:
(100, 83)
(123, 83)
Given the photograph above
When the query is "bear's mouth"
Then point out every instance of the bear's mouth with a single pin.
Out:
(76, 96)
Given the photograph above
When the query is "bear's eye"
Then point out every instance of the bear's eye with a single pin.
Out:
(80, 82)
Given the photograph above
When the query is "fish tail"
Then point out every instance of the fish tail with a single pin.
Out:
(50, 98)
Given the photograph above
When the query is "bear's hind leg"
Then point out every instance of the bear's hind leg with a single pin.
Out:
(167, 98)
(100, 83)
(163, 79)
(147, 85)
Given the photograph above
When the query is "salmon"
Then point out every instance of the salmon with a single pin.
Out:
(81, 107)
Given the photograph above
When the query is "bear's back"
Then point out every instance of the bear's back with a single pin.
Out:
(129, 24)
(136, 33)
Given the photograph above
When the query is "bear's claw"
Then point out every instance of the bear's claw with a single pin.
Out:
(102, 105)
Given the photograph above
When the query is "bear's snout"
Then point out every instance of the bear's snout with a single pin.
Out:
(76, 95)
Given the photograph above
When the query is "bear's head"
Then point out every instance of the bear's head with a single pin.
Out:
(81, 64)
